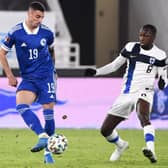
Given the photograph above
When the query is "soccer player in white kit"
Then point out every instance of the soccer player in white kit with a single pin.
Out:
(144, 61)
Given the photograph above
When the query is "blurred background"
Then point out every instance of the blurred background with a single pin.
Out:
(91, 33)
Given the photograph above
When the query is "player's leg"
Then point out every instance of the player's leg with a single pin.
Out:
(49, 127)
(23, 99)
(47, 98)
(108, 128)
(48, 113)
(119, 112)
(109, 132)
(143, 110)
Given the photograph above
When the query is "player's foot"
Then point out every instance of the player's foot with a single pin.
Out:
(42, 143)
(119, 151)
(48, 158)
(149, 154)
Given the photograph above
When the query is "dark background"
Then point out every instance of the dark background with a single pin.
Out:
(80, 18)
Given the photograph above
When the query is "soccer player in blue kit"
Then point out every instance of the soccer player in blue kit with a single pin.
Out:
(32, 42)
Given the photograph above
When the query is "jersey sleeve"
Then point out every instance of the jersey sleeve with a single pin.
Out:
(50, 39)
(111, 67)
(125, 52)
(8, 41)
(162, 72)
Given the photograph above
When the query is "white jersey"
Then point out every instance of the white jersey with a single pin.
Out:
(142, 67)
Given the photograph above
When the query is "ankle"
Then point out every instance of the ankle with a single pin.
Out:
(43, 135)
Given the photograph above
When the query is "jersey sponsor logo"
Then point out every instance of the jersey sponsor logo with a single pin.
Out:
(43, 42)
(133, 56)
(23, 44)
(52, 96)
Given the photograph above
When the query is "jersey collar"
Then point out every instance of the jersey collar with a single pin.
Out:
(28, 31)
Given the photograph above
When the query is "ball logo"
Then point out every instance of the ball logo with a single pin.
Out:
(43, 42)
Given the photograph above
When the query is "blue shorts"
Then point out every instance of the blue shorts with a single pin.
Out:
(45, 89)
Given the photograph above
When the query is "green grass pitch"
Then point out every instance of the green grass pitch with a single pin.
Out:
(87, 149)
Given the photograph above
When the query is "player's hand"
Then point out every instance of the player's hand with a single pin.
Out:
(161, 83)
(90, 72)
(12, 81)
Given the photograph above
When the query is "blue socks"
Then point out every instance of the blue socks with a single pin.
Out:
(30, 118)
(33, 122)
(49, 121)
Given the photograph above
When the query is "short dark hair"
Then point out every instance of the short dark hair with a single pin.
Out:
(37, 6)
(150, 27)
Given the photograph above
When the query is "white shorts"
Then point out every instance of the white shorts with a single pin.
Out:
(126, 103)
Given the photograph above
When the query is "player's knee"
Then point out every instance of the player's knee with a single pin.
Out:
(49, 105)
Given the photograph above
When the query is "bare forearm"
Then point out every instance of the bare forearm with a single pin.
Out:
(52, 54)
(11, 78)
(5, 66)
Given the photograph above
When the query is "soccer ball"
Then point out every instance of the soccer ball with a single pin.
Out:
(57, 143)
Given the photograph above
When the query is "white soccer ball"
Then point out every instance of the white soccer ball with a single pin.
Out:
(57, 143)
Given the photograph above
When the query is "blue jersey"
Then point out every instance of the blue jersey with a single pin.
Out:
(32, 51)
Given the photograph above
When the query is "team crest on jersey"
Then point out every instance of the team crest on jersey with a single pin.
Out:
(152, 60)
(43, 42)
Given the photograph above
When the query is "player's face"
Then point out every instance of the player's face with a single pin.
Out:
(146, 38)
(35, 18)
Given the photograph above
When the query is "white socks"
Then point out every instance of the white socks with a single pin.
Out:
(115, 138)
(149, 135)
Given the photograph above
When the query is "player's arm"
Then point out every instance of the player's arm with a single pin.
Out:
(51, 50)
(51, 43)
(6, 68)
(52, 53)
(107, 69)
(111, 67)
(162, 75)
